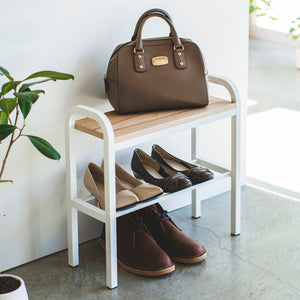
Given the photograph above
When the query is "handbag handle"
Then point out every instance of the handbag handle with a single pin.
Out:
(152, 12)
(139, 55)
(139, 43)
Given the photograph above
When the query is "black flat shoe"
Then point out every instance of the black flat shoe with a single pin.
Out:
(146, 168)
(195, 173)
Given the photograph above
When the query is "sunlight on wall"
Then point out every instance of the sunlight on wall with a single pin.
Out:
(273, 149)
(251, 102)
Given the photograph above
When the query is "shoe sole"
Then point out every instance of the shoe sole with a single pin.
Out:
(140, 271)
(148, 272)
(189, 260)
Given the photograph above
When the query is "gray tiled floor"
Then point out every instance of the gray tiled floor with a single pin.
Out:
(261, 263)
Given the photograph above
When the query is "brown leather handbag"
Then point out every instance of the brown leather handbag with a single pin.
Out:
(158, 73)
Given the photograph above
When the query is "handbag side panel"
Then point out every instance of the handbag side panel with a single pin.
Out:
(112, 79)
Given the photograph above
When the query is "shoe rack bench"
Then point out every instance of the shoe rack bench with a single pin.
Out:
(122, 131)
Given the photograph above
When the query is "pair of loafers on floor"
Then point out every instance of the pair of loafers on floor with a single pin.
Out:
(163, 172)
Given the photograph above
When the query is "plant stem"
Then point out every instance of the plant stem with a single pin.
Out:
(6, 155)
(12, 138)
(20, 133)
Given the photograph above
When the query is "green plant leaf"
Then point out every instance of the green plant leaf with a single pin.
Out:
(24, 90)
(6, 180)
(44, 147)
(251, 9)
(25, 100)
(3, 71)
(25, 107)
(8, 105)
(51, 75)
(25, 87)
(27, 96)
(292, 29)
(16, 83)
(3, 118)
(6, 87)
(6, 130)
(38, 92)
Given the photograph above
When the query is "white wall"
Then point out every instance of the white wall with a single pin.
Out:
(78, 37)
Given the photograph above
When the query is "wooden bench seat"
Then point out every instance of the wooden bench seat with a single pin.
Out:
(130, 126)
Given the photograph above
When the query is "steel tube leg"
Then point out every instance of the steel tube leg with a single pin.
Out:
(111, 254)
(73, 252)
(71, 185)
(110, 208)
(235, 175)
(196, 202)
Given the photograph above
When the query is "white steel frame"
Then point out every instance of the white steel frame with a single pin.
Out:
(109, 215)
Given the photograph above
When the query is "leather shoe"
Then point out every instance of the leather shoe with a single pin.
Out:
(144, 191)
(195, 173)
(137, 250)
(180, 247)
(94, 182)
(146, 168)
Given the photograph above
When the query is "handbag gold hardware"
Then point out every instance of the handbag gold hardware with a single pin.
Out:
(159, 60)
(182, 48)
(134, 50)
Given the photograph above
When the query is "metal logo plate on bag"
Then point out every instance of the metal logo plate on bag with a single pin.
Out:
(159, 60)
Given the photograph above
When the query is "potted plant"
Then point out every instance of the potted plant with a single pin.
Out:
(16, 100)
(12, 288)
(294, 32)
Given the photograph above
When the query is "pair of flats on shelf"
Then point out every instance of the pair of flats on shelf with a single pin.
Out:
(149, 243)
(129, 190)
(167, 171)
(162, 171)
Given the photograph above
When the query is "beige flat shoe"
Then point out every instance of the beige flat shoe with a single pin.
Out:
(144, 191)
(94, 182)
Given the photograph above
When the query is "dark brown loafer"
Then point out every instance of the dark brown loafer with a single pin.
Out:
(180, 247)
(195, 173)
(146, 168)
(138, 252)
